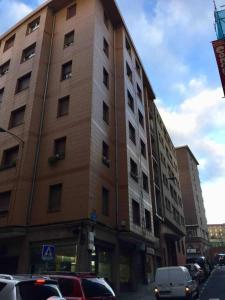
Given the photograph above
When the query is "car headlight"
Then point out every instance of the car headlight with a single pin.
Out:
(156, 290)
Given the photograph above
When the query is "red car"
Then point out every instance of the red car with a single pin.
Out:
(83, 286)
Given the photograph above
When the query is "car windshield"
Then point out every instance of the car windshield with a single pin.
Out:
(96, 287)
(38, 291)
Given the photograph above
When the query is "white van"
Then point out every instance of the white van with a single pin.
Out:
(172, 282)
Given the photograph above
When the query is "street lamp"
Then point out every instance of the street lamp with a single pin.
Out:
(12, 134)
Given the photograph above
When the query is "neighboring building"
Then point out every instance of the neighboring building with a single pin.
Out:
(168, 207)
(72, 87)
(216, 240)
(195, 219)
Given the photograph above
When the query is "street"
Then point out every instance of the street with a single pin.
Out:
(214, 287)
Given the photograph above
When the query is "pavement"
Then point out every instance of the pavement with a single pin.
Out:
(144, 292)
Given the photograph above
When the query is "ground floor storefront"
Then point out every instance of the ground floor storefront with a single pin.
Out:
(125, 260)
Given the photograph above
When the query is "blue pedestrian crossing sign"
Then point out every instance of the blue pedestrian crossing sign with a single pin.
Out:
(48, 252)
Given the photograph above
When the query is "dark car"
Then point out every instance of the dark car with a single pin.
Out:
(83, 286)
(196, 272)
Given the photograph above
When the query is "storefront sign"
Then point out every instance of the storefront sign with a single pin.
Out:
(150, 250)
(190, 251)
(219, 49)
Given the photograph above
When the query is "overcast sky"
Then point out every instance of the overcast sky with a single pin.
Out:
(173, 39)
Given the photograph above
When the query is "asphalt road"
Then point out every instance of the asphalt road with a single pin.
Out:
(214, 287)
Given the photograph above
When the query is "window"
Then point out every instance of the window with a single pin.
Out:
(33, 25)
(105, 201)
(105, 154)
(55, 195)
(128, 47)
(133, 170)
(66, 70)
(139, 92)
(143, 148)
(17, 117)
(138, 68)
(4, 68)
(63, 106)
(130, 100)
(168, 204)
(23, 83)
(105, 47)
(28, 53)
(105, 78)
(145, 182)
(105, 112)
(4, 203)
(9, 158)
(60, 148)
(106, 20)
(9, 43)
(69, 39)
(1, 94)
(148, 221)
(136, 212)
(141, 119)
(132, 134)
(71, 11)
(129, 72)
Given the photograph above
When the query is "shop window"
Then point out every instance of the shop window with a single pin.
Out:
(4, 68)
(132, 134)
(28, 53)
(133, 170)
(145, 182)
(17, 117)
(66, 70)
(141, 119)
(71, 11)
(105, 201)
(129, 73)
(55, 195)
(9, 43)
(1, 94)
(23, 82)
(128, 46)
(105, 47)
(130, 100)
(105, 154)
(33, 25)
(148, 221)
(136, 213)
(105, 78)
(143, 148)
(69, 39)
(4, 202)
(105, 112)
(139, 92)
(60, 148)
(63, 106)
(9, 158)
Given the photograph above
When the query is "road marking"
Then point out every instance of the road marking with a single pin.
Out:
(214, 298)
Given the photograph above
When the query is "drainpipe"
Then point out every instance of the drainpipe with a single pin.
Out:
(36, 159)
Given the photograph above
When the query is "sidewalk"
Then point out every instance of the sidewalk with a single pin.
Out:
(145, 292)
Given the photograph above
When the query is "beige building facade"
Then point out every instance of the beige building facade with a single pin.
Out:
(74, 145)
(197, 242)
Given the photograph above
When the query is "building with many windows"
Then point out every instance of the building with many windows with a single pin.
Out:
(195, 219)
(74, 151)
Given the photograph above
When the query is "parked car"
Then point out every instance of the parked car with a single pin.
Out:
(83, 286)
(175, 282)
(28, 287)
(196, 272)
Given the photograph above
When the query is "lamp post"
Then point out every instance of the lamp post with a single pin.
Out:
(12, 134)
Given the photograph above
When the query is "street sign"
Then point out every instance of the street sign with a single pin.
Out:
(48, 252)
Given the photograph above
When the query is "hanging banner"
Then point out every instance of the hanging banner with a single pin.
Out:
(219, 49)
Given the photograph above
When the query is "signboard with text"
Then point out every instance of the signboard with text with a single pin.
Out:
(219, 49)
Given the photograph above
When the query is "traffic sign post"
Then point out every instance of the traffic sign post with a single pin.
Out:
(48, 253)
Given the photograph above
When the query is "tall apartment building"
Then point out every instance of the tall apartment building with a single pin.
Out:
(194, 211)
(75, 175)
(166, 193)
(216, 235)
